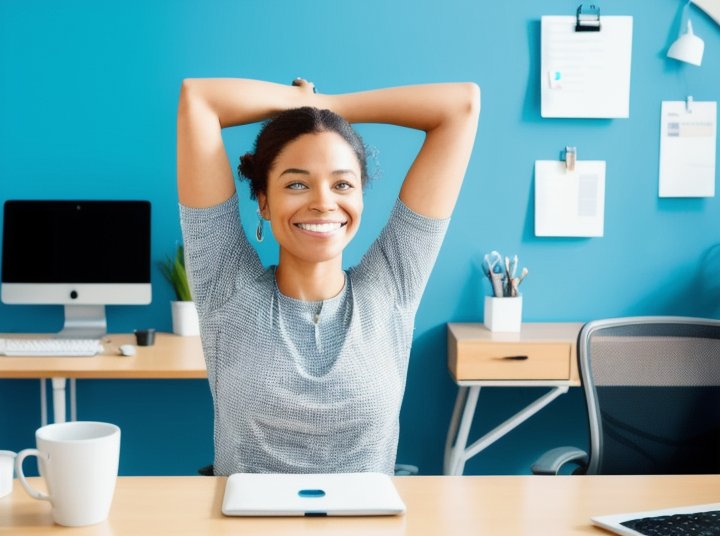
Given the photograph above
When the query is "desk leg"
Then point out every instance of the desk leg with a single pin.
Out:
(465, 403)
(43, 402)
(449, 458)
(455, 457)
(59, 399)
(73, 399)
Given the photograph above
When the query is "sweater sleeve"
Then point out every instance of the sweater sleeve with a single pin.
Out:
(218, 255)
(403, 256)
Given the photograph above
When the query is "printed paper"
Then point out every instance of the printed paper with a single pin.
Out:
(569, 203)
(687, 149)
(586, 74)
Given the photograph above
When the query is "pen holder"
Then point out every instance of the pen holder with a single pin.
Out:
(145, 337)
(503, 314)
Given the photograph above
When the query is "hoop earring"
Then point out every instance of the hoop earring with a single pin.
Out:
(259, 231)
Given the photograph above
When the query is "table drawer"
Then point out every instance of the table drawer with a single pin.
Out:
(479, 360)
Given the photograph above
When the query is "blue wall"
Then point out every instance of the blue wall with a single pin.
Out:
(88, 96)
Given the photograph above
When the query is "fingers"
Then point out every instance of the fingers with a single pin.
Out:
(304, 84)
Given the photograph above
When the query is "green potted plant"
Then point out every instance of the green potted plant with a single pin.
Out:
(184, 314)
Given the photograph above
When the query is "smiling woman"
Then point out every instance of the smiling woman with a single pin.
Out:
(306, 361)
(314, 202)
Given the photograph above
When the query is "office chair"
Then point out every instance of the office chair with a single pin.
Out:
(400, 470)
(652, 387)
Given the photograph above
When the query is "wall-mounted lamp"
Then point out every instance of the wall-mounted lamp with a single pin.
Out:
(688, 47)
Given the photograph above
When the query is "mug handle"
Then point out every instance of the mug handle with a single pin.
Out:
(18, 469)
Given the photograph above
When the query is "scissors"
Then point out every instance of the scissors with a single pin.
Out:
(491, 261)
(493, 271)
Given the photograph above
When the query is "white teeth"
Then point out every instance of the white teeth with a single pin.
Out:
(320, 227)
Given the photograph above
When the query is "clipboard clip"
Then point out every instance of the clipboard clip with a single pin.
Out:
(588, 18)
(689, 104)
(570, 158)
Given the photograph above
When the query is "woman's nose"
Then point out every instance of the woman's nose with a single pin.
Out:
(323, 201)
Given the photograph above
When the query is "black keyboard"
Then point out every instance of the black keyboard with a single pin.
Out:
(697, 524)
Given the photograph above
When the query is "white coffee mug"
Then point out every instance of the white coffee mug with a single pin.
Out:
(7, 465)
(79, 461)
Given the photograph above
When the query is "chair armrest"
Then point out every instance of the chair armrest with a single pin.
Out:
(551, 462)
(405, 470)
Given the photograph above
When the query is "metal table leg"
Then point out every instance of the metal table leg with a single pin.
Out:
(465, 403)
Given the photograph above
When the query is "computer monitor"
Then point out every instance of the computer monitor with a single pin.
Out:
(80, 254)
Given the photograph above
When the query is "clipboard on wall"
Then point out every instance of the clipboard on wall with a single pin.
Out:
(585, 68)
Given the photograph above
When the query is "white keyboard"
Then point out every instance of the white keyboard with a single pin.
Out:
(50, 347)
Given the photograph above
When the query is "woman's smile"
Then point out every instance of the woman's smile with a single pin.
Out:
(321, 228)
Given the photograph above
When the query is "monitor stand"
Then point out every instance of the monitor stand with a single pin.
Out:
(84, 322)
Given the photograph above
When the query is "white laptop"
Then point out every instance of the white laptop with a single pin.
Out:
(340, 494)
(615, 524)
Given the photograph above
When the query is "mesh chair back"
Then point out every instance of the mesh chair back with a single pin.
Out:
(652, 386)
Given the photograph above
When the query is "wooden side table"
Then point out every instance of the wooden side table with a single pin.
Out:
(540, 355)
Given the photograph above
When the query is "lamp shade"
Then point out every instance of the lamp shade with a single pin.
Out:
(688, 47)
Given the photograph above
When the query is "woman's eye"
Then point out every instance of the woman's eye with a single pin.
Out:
(296, 186)
(343, 186)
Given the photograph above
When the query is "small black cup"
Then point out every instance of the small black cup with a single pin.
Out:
(145, 337)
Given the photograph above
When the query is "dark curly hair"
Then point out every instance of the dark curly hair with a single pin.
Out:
(285, 127)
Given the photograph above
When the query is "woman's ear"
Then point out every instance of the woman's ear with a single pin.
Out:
(263, 206)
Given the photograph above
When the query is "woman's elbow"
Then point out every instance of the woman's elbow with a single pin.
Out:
(193, 99)
(188, 89)
(470, 99)
(461, 104)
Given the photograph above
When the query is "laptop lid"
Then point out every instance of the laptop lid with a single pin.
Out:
(339, 494)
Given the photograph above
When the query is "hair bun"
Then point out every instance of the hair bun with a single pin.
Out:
(247, 166)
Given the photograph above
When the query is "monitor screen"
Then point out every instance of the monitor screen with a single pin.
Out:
(76, 252)
(76, 242)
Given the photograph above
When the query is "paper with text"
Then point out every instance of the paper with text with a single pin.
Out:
(586, 74)
(569, 203)
(687, 149)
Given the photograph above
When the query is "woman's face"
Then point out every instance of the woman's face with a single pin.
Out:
(314, 197)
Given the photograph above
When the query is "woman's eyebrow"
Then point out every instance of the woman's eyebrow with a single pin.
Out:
(294, 170)
(343, 172)
(306, 172)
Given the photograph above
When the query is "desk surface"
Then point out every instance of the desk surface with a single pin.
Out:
(171, 357)
(436, 505)
(530, 332)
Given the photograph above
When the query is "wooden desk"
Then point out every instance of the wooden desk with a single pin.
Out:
(171, 357)
(540, 355)
(439, 505)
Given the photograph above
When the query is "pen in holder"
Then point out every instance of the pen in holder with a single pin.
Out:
(503, 310)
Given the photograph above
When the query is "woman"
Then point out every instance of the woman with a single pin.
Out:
(307, 362)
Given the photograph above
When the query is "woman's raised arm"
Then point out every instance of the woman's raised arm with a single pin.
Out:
(206, 106)
(447, 113)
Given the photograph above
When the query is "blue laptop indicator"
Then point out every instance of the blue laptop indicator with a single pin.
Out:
(311, 493)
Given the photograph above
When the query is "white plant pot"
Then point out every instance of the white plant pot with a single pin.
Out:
(185, 318)
(503, 314)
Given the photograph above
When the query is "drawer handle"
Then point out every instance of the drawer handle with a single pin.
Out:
(515, 358)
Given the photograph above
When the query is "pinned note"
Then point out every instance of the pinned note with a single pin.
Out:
(688, 131)
(569, 202)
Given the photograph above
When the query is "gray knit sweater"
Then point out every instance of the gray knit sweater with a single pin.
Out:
(306, 387)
